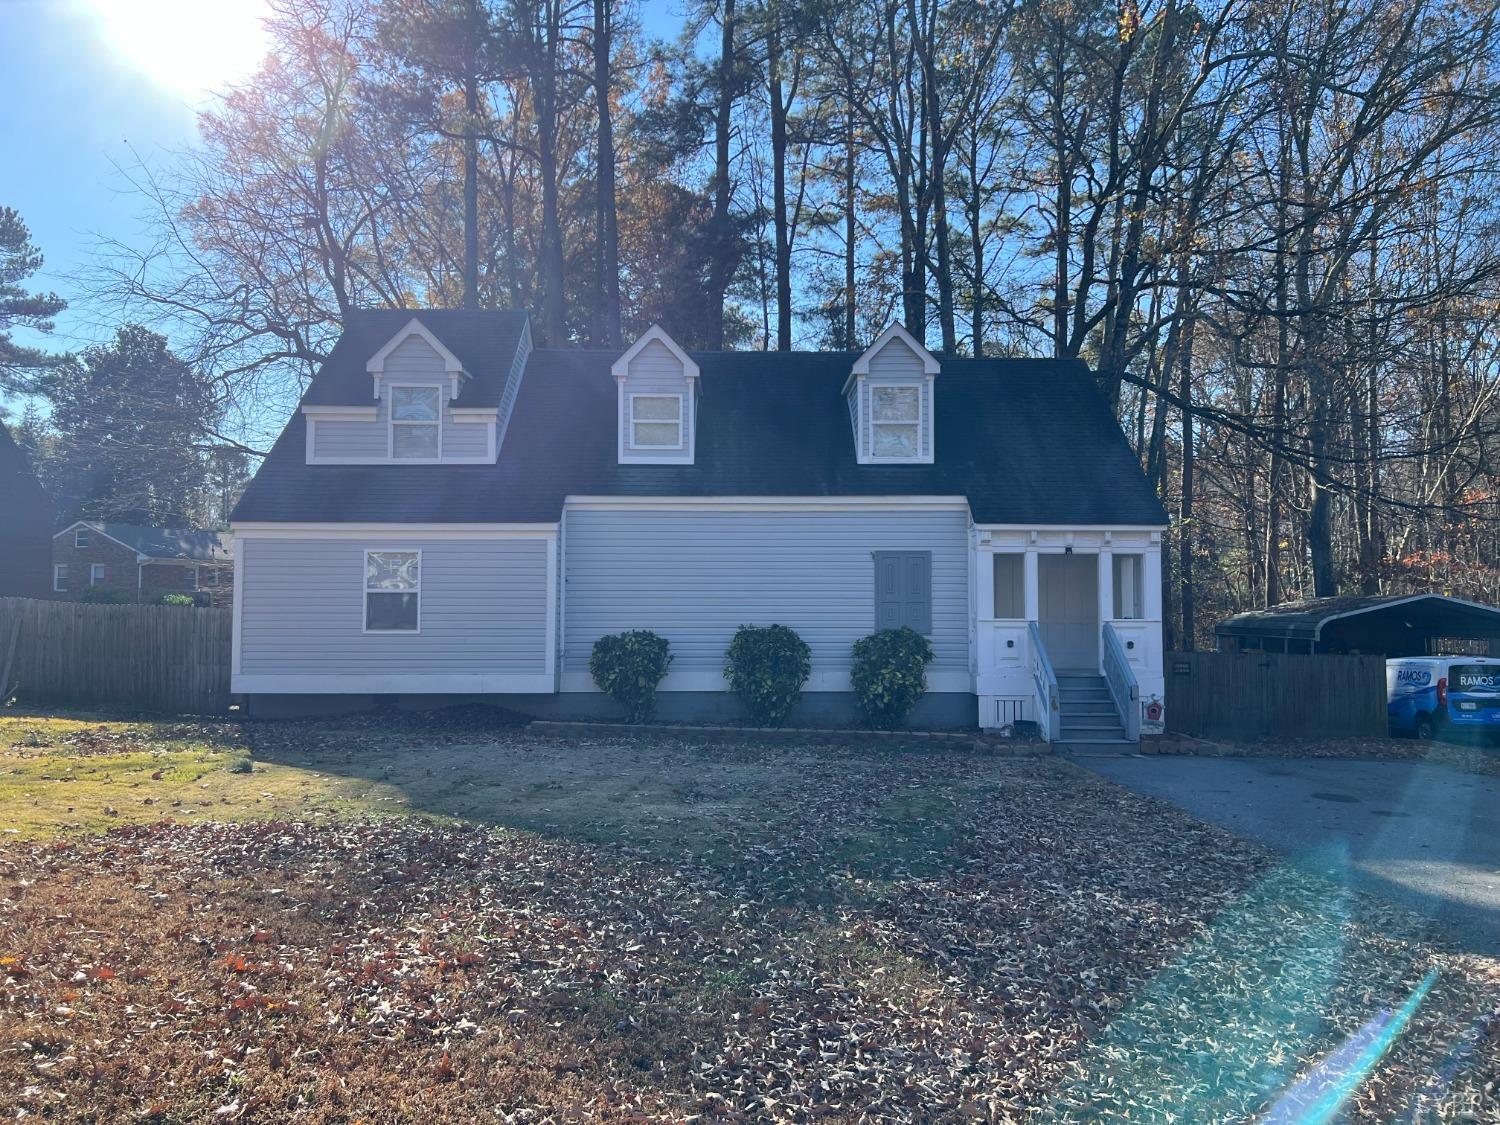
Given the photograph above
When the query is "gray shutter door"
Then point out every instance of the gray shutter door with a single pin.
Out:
(918, 593)
(889, 590)
(903, 590)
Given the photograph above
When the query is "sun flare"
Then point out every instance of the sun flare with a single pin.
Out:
(190, 47)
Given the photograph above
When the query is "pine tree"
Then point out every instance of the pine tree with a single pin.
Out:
(21, 366)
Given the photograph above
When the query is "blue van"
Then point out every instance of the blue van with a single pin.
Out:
(1424, 694)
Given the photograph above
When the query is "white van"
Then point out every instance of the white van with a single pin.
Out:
(1424, 694)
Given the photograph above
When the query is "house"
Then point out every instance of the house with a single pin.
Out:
(25, 524)
(1372, 624)
(142, 563)
(454, 512)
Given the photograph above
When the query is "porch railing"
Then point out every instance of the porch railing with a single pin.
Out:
(1046, 685)
(1123, 688)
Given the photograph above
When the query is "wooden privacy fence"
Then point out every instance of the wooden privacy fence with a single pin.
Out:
(143, 657)
(1255, 695)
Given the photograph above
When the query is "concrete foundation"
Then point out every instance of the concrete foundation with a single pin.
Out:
(934, 711)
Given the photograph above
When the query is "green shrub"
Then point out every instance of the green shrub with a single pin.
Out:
(104, 595)
(890, 675)
(175, 599)
(767, 665)
(628, 666)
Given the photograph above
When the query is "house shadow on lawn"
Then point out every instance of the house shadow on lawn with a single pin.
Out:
(771, 816)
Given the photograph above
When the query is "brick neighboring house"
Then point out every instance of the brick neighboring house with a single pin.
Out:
(142, 562)
(25, 524)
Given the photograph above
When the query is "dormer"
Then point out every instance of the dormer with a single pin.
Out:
(421, 406)
(890, 396)
(415, 351)
(657, 394)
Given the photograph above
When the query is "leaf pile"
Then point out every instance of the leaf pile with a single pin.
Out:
(917, 936)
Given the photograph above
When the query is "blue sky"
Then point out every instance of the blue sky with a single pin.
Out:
(94, 84)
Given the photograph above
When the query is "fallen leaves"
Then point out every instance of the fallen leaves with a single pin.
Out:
(923, 935)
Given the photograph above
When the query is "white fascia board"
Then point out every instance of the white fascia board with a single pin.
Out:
(762, 503)
(341, 413)
(474, 413)
(1103, 528)
(98, 530)
(414, 327)
(894, 331)
(621, 367)
(377, 683)
(394, 530)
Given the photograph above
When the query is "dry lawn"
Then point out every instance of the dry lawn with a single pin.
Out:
(447, 920)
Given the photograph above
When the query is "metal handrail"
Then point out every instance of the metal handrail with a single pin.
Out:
(1045, 680)
(1123, 688)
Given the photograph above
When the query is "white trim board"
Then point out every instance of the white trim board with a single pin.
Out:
(789, 503)
(394, 530)
(372, 683)
(620, 369)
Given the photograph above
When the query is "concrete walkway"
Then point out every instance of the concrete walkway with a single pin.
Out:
(1423, 835)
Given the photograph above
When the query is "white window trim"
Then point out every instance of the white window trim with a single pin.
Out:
(391, 423)
(86, 532)
(96, 573)
(923, 421)
(365, 592)
(60, 578)
(636, 446)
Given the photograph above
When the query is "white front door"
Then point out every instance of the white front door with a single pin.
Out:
(1068, 610)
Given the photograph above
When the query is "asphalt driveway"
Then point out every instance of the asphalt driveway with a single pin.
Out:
(1423, 835)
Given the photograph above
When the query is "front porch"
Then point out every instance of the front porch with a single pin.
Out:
(1068, 631)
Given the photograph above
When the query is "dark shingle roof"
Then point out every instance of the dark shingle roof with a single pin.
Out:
(1305, 620)
(170, 543)
(1026, 441)
(484, 340)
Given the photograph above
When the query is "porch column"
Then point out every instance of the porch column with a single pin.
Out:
(984, 583)
(1033, 596)
(1151, 581)
(1106, 583)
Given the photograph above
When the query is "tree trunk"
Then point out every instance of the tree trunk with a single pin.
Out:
(783, 252)
(1187, 531)
(721, 239)
(607, 231)
(851, 232)
(471, 156)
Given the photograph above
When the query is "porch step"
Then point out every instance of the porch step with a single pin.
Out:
(1088, 721)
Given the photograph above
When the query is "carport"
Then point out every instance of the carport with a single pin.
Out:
(1408, 625)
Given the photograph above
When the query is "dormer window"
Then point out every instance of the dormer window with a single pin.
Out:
(896, 421)
(656, 421)
(416, 423)
(657, 385)
(890, 396)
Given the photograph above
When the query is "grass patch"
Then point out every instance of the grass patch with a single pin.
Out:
(419, 918)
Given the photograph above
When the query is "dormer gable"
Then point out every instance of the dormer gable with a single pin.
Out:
(890, 393)
(397, 349)
(657, 401)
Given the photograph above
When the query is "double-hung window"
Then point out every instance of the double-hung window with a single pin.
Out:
(96, 574)
(80, 537)
(1129, 587)
(655, 421)
(393, 591)
(60, 578)
(416, 423)
(896, 422)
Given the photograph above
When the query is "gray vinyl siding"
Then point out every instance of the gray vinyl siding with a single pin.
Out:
(656, 371)
(695, 576)
(483, 608)
(413, 363)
